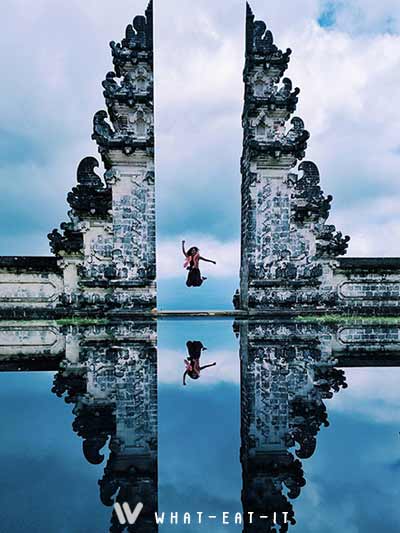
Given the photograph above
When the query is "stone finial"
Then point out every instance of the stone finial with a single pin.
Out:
(86, 174)
(310, 201)
(138, 41)
(331, 243)
(128, 90)
(260, 43)
(131, 131)
(70, 242)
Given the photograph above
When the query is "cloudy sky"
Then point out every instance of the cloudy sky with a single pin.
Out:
(346, 58)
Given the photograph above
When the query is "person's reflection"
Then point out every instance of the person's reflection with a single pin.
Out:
(193, 368)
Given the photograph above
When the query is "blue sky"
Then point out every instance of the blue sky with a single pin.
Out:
(327, 17)
(346, 59)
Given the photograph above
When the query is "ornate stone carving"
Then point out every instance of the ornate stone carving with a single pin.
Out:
(69, 242)
(113, 386)
(108, 247)
(90, 197)
(283, 385)
(133, 131)
(138, 42)
(136, 86)
(267, 137)
(331, 243)
(310, 203)
(102, 131)
(260, 47)
(286, 246)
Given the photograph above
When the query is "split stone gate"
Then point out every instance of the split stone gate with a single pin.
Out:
(104, 256)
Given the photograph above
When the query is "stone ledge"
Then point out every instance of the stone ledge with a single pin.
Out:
(30, 264)
(131, 283)
(369, 263)
(32, 363)
(284, 283)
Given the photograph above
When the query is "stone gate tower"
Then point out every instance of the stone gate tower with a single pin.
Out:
(290, 257)
(107, 250)
(286, 245)
(104, 256)
(288, 371)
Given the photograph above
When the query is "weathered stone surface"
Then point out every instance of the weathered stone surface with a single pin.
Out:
(35, 341)
(285, 379)
(117, 217)
(110, 376)
(29, 282)
(289, 254)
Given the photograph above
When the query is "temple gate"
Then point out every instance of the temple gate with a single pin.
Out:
(290, 256)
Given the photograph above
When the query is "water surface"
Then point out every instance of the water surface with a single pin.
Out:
(250, 435)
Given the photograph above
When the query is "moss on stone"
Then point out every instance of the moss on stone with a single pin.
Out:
(350, 319)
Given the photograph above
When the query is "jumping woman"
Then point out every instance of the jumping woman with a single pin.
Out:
(191, 264)
(192, 363)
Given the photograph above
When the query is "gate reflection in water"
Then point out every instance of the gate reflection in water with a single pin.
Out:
(243, 436)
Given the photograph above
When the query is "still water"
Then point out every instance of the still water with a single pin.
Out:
(295, 427)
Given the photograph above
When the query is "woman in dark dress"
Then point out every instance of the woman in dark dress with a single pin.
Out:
(191, 264)
(192, 363)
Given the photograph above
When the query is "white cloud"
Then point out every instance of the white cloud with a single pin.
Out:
(372, 392)
(376, 230)
(368, 16)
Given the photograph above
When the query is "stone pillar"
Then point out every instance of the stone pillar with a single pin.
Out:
(286, 373)
(107, 249)
(286, 246)
(113, 386)
(127, 150)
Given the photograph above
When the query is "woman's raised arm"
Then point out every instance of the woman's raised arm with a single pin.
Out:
(207, 366)
(207, 260)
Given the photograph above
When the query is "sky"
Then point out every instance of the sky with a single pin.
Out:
(346, 59)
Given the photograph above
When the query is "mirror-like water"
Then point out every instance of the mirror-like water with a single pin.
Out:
(278, 423)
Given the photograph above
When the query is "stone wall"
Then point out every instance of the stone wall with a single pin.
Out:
(31, 345)
(34, 283)
(368, 284)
